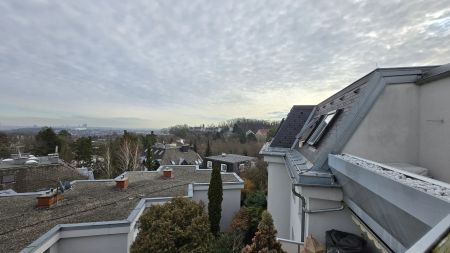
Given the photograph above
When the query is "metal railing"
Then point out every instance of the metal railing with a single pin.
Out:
(290, 246)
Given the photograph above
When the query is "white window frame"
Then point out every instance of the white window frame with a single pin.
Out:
(320, 130)
(222, 166)
(209, 164)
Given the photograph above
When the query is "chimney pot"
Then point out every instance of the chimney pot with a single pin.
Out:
(122, 183)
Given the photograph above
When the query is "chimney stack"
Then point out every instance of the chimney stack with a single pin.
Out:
(184, 148)
(49, 199)
(168, 173)
(122, 182)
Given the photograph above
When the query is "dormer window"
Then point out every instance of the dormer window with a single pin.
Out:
(322, 128)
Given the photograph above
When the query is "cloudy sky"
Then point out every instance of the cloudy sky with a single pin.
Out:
(160, 63)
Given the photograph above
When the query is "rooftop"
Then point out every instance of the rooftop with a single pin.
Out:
(231, 158)
(91, 201)
(291, 126)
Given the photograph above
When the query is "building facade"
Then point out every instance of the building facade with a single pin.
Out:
(366, 161)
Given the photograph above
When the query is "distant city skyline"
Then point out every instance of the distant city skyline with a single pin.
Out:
(155, 64)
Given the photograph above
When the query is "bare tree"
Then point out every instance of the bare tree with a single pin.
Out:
(125, 154)
(108, 161)
(135, 156)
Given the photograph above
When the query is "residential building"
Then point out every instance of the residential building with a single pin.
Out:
(42, 176)
(261, 134)
(371, 160)
(171, 154)
(103, 215)
(230, 162)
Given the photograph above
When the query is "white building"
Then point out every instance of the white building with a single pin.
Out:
(100, 215)
(372, 159)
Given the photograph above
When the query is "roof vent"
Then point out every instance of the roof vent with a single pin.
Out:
(122, 182)
(168, 173)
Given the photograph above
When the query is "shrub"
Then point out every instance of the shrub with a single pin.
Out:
(227, 242)
(180, 225)
(265, 238)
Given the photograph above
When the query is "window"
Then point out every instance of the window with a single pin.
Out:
(223, 167)
(8, 179)
(310, 128)
(209, 164)
(321, 128)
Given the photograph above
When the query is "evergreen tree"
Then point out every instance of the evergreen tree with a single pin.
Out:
(195, 146)
(84, 150)
(149, 161)
(46, 141)
(215, 197)
(208, 149)
(265, 238)
(5, 151)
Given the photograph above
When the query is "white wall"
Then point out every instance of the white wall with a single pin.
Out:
(279, 195)
(230, 205)
(389, 132)
(316, 224)
(434, 152)
(115, 243)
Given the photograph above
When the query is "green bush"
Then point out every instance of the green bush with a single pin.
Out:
(180, 225)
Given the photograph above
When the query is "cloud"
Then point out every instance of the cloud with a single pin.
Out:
(173, 62)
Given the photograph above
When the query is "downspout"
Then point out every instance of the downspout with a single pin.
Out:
(305, 210)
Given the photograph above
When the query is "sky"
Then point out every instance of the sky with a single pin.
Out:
(153, 64)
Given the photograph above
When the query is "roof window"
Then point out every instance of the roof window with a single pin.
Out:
(322, 128)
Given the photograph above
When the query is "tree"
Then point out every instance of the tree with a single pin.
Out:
(46, 141)
(265, 238)
(84, 150)
(128, 152)
(208, 149)
(149, 161)
(5, 151)
(65, 140)
(215, 197)
(180, 225)
(108, 168)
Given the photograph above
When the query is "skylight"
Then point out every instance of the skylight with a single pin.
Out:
(321, 128)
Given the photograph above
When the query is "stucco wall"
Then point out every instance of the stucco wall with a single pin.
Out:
(434, 152)
(279, 196)
(230, 204)
(389, 132)
(94, 244)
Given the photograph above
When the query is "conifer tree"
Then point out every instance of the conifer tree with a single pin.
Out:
(208, 149)
(215, 197)
(265, 238)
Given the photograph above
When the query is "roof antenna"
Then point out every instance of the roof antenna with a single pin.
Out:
(376, 64)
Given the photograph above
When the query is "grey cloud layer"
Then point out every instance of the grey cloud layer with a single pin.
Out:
(66, 57)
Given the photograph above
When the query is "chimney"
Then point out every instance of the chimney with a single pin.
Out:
(224, 154)
(168, 173)
(49, 199)
(122, 182)
(184, 148)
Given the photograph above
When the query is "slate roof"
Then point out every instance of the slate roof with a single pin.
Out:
(291, 126)
(90, 201)
(231, 158)
(167, 155)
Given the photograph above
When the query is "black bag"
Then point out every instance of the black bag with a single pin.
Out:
(342, 242)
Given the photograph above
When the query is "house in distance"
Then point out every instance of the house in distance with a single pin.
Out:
(230, 162)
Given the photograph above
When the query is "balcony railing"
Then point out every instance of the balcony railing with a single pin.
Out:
(290, 246)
